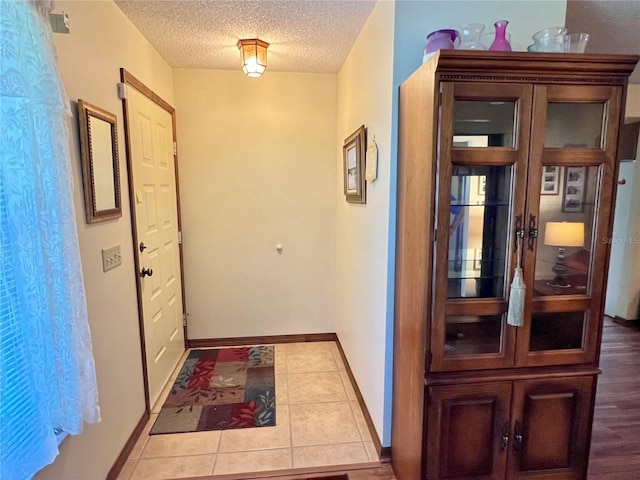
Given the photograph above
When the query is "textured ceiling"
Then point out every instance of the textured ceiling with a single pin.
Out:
(317, 35)
(304, 36)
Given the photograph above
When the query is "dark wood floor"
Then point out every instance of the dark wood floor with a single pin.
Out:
(615, 444)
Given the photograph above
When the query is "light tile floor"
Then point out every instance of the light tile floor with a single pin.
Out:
(319, 423)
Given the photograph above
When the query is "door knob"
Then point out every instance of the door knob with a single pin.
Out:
(143, 247)
(146, 272)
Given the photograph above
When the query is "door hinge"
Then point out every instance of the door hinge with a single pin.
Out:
(430, 358)
(175, 149)
(439, 99)
(179, 238)
(122, 91)
(184, 319)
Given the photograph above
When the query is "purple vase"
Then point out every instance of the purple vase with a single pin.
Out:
(500, 43)
(441, 40)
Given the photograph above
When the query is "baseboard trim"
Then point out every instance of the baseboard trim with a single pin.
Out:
(625, 322)
(372, 429)
(128, 447)
(239, 341)
(385, 455)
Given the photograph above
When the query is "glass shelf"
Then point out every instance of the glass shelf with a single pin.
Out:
(480, 204)
(478, 277)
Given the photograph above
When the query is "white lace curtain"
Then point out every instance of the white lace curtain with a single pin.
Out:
(47, 373)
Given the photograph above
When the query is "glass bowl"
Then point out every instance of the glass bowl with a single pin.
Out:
(576, 42)
(551, 32)
(548, 44)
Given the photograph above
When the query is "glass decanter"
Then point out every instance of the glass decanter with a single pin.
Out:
(470, 37)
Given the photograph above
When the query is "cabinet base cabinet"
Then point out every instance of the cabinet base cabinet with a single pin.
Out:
(534, 429)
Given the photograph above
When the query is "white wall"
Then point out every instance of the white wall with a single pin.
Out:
(101, 41)
(632, 111)
(623, 288)
(364, 97)
(416, 19)
(257, 168)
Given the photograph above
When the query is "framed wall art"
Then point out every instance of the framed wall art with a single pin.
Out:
(354, 166)
(482, 184)
(550, 180)
(575, 184)
(477, 259)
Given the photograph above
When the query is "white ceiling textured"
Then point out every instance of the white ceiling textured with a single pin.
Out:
(312, 36)
(317, 35)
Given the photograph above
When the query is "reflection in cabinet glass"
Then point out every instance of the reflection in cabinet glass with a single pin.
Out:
(478, 231)
(566, 228)
(492, 120)
(466, 335)
(557, 331)
(564, 131)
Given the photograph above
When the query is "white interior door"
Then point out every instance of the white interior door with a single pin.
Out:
(154, 190)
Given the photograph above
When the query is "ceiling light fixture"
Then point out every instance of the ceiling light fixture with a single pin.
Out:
(254, 56)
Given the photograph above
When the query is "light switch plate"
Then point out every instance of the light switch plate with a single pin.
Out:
(111, 257)
(59, 22)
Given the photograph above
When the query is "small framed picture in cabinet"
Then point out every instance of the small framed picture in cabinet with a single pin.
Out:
(550, 180)
(575, 184)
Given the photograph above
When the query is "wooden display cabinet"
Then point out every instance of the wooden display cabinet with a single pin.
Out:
(504, 159)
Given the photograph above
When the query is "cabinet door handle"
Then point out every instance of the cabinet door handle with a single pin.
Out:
(504, 437)
(533, 232)
(519, 233)
(517, 437)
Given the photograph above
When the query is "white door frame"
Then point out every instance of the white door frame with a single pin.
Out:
(128, 79)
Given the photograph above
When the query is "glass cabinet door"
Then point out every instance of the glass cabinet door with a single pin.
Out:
(570, 180)
(484, 134)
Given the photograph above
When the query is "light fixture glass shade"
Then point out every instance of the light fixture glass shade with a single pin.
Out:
(254, 56)
(564, 234)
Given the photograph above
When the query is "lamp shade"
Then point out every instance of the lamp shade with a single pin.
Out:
(564, 234)
(254, 56)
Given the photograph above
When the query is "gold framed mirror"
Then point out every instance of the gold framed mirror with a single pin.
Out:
(100, 166)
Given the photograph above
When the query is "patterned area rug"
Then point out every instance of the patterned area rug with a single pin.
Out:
(221, 389)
